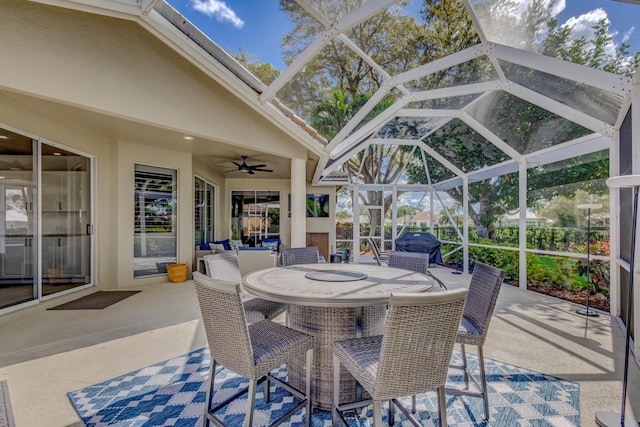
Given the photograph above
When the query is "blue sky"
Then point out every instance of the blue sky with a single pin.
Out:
(258, 26)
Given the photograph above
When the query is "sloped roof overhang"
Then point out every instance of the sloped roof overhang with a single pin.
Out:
(168, 25)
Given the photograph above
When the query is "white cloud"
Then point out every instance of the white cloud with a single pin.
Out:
(557, 6)
(583, 26)
(219, 10)
(627, 35)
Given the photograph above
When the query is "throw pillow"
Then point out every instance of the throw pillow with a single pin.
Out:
(224, 243)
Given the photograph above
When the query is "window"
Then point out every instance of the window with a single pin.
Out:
(155, 219)
(255, 215)
(203, 213)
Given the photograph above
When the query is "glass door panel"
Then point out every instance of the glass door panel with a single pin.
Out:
(203, 212)
(66, 228)
(255, 215)
(17, 220)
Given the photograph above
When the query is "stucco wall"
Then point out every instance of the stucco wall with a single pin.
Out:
(324, 225)
(109, 89)
(118, 68)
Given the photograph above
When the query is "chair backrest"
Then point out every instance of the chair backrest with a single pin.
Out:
(414, 261)
(483, 294)
(294, 256)
(225, 323)
(223, 266)
(374, 249)
(419, 335)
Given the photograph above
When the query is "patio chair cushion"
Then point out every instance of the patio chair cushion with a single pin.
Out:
(361, 356)
(224, 243)
(269, 339)
(467, 331)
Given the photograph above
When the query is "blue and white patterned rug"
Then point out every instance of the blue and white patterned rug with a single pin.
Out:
(172, 393)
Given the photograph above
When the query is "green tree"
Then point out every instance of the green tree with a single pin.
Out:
(389, 38)
(523, 126)
(376, 163)
(343, 215)
(264, 71)
(336, 83)
(563, 210)
(592, 53)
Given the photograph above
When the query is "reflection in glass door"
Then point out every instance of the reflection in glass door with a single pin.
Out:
(17, 220)
(66, 228)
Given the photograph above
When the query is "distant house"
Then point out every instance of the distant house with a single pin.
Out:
(532, 220)
(419, 219)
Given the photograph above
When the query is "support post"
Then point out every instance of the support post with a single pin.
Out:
(298, 200)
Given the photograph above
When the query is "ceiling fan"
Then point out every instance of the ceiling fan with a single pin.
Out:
(245, 168)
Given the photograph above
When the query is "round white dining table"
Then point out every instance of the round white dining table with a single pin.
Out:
(333, 302)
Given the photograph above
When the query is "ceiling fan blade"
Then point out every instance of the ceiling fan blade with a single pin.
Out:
(251, 172)
(262, 170)
(256, 166)
(237, 164)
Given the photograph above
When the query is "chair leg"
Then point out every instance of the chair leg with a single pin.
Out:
(308, 388)
(413, 404)
(377, 413)
(336, 392)
(251, 403)
(442, 407)
(212, 377)
(483, 382)
(392, 413)
(464, 367)
(266, 390)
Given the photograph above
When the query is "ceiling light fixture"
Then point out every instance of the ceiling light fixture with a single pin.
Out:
(4, 137)
(187, 138)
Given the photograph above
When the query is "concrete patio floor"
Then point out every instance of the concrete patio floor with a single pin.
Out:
(45, 354)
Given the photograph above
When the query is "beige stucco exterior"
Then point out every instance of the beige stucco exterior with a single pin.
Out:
(116, 92)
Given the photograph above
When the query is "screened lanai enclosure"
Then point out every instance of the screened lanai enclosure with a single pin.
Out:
(484, 122)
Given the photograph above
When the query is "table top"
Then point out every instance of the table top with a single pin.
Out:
(328, 285)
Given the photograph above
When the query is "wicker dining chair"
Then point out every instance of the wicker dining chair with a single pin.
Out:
(381, 257)
(412, 355)
(295, 256)
(414, 261)
(474, 326)
(224, 266)
(251, 351)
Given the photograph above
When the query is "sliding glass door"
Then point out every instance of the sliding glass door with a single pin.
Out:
(255, 215)
(45, 229)
(66, 228)
(17, 220)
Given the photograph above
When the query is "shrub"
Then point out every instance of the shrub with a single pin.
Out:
(554, 271)
(599, 271)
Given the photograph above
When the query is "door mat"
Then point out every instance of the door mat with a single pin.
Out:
(96, 301)
(6, 415)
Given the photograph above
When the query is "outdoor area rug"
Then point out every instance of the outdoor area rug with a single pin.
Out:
(172, 393)
(6, 414)
(95, 301)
